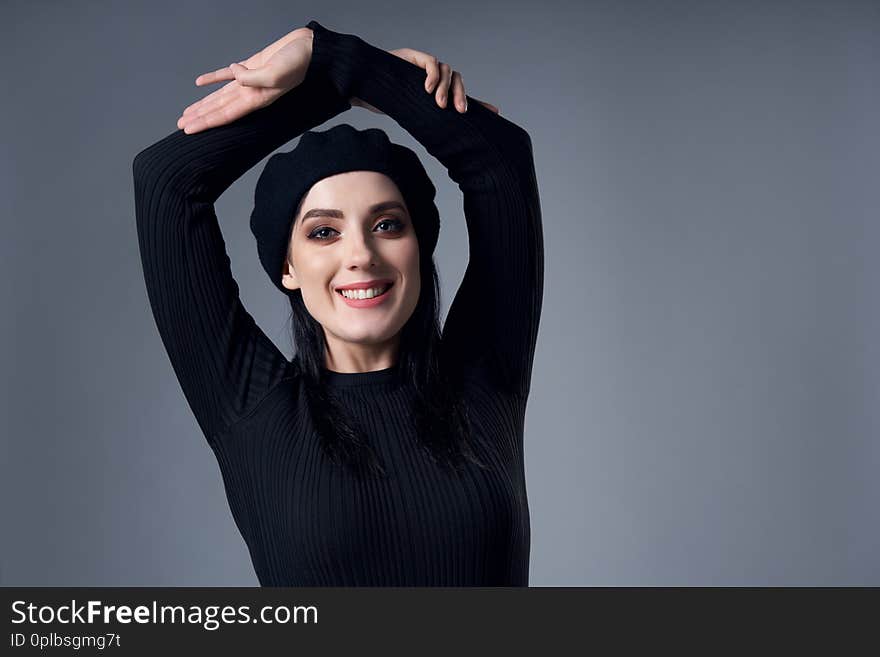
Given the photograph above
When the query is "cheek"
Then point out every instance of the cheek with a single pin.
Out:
(314, 273)
(407, 257)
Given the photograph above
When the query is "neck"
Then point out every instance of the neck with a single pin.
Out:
(348, 357)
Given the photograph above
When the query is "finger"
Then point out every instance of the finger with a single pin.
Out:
(432, 66)
(228, 88)
(206, 107)
(208, 104)
(253, 77)
(443, 87)
(219, 75)
(228, 113)
(458, 92)
(422, 60)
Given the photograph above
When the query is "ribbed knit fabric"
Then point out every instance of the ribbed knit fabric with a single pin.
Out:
(306, 521)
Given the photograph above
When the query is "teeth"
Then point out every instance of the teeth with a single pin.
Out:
(364, 294)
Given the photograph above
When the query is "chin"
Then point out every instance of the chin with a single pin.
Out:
(367, 334)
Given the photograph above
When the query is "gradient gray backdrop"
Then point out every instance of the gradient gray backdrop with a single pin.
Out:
(705, 406)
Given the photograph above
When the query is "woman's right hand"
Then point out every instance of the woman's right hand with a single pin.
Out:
(255, 83)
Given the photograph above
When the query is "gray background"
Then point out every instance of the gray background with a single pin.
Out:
(705, 394)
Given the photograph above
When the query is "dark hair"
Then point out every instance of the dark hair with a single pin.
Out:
(440, 411)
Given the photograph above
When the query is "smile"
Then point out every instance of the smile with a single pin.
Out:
(360, 298)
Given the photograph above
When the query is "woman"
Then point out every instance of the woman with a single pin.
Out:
(383, 454)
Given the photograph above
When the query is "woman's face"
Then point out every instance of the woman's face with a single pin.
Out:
(340, 237)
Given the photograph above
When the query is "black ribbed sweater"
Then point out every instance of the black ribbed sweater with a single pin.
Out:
(306, 521)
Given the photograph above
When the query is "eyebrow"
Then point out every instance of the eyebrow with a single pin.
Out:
(324, 212)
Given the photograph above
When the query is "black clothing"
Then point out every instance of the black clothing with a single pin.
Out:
(306, 521)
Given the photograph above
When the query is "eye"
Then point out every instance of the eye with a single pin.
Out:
(314, 235)
(397, 225)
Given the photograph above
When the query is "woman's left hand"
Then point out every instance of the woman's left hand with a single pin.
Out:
(440, 79)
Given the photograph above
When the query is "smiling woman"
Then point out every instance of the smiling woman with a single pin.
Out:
(386, 452)
(389, 324)
(356, 242)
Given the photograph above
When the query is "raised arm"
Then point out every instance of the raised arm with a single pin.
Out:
(493, 321)
(224, 362)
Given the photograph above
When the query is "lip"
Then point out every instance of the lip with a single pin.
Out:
(365, 285)
(366, 303)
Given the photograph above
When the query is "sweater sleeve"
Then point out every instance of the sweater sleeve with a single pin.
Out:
(492, 324)
(224, 362)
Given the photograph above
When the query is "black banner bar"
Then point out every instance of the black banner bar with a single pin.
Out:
(413, 621)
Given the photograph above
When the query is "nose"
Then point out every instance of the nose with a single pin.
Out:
(359, 251)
